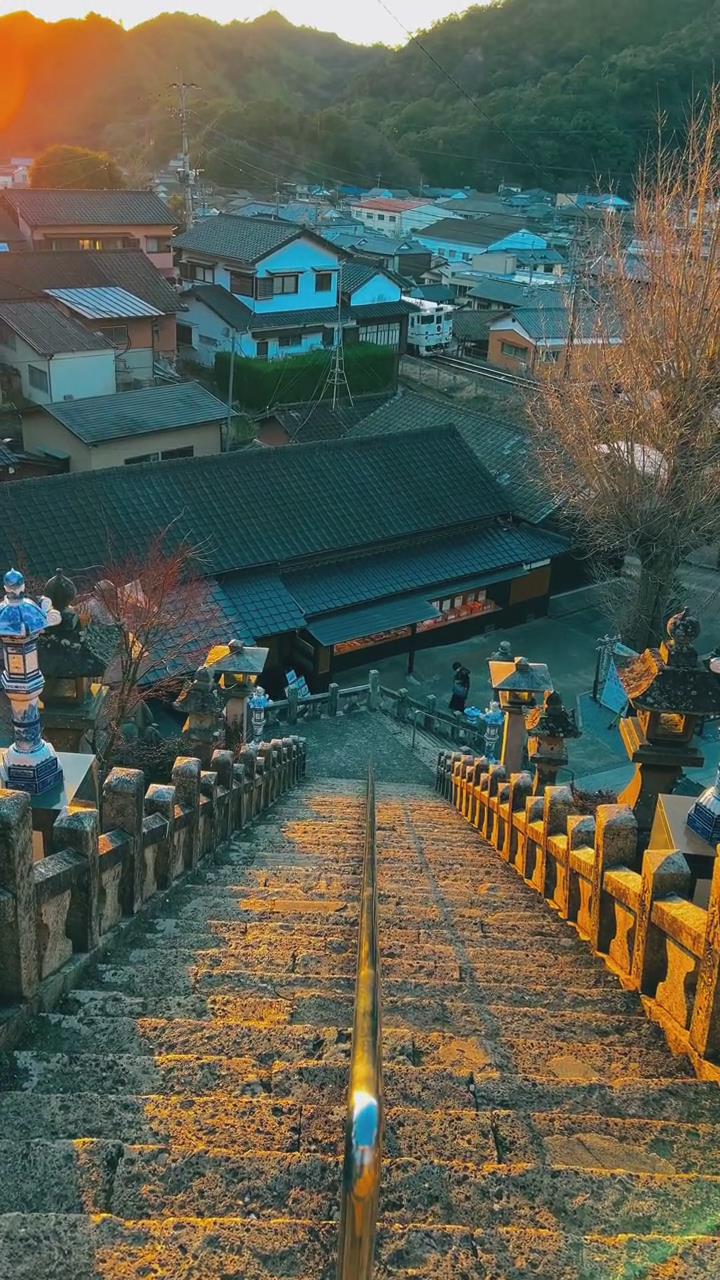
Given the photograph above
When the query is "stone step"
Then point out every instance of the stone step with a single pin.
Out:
(78, 1247)
(300, 1001)
(138, 1181)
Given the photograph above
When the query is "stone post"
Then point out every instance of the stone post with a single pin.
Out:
(705, 1024)
(19, 969)
(615, 843)
(186, 781)
(123, 802)
(558, 805)
(581, 835)
(293, 698)
(161, 800)
(402, 704)
(429, 717)
(663, 873)
(222, 763)
(211, 834)
(333, 692)
(374, 691)
(520, 789)
(79, 831)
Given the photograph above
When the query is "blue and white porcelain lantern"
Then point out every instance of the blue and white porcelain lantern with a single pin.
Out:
(30, 764)
(494, 720)
(257, 707)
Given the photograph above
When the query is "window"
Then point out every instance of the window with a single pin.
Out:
(7, 337)
(153, 244)
(381, 217)
(369, 216)
(261, 350)
(184, 335)
(38, 378)
(187, 452)
(290, 340)
(549, 357)
(392, 217)
(286, 284)
(142, 457)
(384, 335)
(204, 274)
(117, 334)
(323, 281)
(241, 282)
(264, 288)
(515, 353)
(90, 244)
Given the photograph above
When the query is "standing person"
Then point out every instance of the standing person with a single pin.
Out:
(460, 687)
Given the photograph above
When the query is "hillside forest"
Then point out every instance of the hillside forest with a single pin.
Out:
(558, 93)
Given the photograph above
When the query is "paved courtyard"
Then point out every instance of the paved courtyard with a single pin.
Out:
(566, 640)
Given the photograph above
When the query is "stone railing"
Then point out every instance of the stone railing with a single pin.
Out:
(639, 919)
(336, 701)
(447, 726)
(107, 867)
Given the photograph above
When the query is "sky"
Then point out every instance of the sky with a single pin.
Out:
(364, 21)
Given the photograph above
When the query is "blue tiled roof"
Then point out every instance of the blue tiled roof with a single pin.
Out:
(263, 603)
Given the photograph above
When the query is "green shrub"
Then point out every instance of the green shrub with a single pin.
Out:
(258, 384)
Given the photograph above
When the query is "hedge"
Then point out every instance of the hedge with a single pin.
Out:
(296, 379)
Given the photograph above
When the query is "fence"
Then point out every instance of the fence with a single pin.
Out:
(642, 922)
(105, 867)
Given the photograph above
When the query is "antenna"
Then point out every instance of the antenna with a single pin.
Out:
(337, 376)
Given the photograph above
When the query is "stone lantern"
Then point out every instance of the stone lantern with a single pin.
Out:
(238, 667)
(516, 685)
(670, 692)
(30, 764)
(548, 729)
(74, 659)
(200, 702)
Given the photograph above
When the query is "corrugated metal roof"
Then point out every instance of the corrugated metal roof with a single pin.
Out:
(135, 413)
(47, 330)
(57, 207)
(99, 303)
(24, 275)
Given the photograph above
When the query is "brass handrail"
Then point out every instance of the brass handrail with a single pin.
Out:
(364, 1123)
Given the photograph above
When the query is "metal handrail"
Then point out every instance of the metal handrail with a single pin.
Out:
(364, 1123)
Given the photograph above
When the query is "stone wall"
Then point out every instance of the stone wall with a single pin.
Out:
(642, 923)
(107, 867)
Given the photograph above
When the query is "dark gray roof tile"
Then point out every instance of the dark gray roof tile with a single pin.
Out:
(226, 235)
(27, 275)
(57, 207)
(47, 330)
(135, 413)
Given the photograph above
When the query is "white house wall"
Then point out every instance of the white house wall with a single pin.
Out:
(77, 374)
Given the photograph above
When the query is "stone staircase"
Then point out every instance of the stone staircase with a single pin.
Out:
(181, 1116)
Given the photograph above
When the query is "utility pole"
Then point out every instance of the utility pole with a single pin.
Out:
(182, 88)
(231, 382)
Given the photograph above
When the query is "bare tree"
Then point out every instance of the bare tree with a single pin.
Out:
(164, 618)
(629, 439)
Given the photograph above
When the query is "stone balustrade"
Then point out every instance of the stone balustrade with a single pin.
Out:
(106, 867)
(636, 914)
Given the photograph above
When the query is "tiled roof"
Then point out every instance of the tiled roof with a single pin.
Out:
(513, 293)
(481, 231)
(29, 274)
(9, 230)
(103, 303)
(255, 508)
(264, 603)
(294, 319)
(383, 310)
(244, 320)
(44, 327)
(240, 239)
(357, 273)
(56, 208)
(135, 413)
(552, 324)
(320, 421)
(473, 325)
(223, 303)
(372, 242)
(500, 444)
(429, 565)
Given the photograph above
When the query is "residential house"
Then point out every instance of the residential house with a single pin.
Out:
(92, 286)
(461, 240)
(332, 554)
(101, 220)
(498, 293)
(406, 256)
(46, 356)
(538, 339)
(10, 238)
(271, 289)
(397, 217)
(154, 424)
